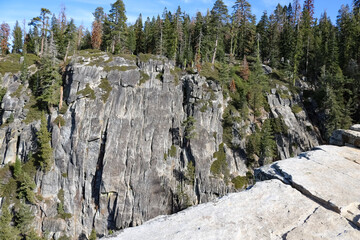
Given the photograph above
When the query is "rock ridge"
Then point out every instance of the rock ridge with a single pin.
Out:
(311, 196)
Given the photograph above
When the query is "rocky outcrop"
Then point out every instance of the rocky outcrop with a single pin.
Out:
(137, 141)
(346, 137)
(301, 134)
(312, 196)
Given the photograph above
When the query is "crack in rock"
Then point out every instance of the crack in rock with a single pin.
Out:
(284, 236)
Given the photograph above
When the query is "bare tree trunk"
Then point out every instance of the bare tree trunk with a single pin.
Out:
(42, 39)
(61, 97)
(214, 56)
(113, 46)
(42, 45)
(307, 55)
(161, 41)
(66, 53)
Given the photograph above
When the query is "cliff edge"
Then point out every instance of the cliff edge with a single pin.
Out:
(312, 196)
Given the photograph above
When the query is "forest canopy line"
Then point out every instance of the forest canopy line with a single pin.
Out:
(289, 39)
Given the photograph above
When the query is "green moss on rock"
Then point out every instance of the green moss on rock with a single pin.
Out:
(87, 92)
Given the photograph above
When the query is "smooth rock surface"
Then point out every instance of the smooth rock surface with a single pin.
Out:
(269, 210)
(329, 175)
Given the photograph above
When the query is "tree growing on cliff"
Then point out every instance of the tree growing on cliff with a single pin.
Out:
(44, 150)
(7, 231)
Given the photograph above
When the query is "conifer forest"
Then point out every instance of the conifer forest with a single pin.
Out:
(246, 56)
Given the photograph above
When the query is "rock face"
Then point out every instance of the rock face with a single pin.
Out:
(138, 142)
(346, 137)
(301, 135)
(312, 196)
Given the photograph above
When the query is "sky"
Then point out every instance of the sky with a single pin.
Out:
(81, 10)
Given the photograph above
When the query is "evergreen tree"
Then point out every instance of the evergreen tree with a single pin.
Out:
(46, 83)
(139, 35)
(219, 16)
(245, 21)
(117, 26)
(23, 219)
(131, 39)
(307, 31)
(7, 231)
(267, 143)
(17, 39)
(170, 40)
(42, 20)
(99, 14)
(263, 29)
(45, 150)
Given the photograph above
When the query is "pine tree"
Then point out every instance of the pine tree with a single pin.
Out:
(139, 35)
(17, 168)
(99, 14)
(245, 21)
(267, 143)
(307, 31)
(117, 24)
(45, 150)
(7, 231)
(42, 20)
(131, 39)
(170, 40)
(219, 17)
(23, 219)
(17, 39)
(263, 29)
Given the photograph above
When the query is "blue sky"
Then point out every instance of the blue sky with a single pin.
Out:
(81, 10)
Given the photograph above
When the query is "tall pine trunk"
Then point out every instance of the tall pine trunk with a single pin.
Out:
(216, 45)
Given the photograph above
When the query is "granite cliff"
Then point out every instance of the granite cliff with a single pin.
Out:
(138, 139)
(312, 196)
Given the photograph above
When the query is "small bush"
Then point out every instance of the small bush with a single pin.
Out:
(64, 108)
(34, 112)
(279, 125)
(59, 121)
(190, 173)
(240, 182)
(296, 109)
(172, 151)
(106, 87)
(143, 77)
(119, 68)
(2, 93)
(210, 72)
(87, 92)
(60, 208)
(144, 57)
(127, 56)
(189, 125)
(10, 119)
(219, 166)
(160, 76)
(17, 93)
